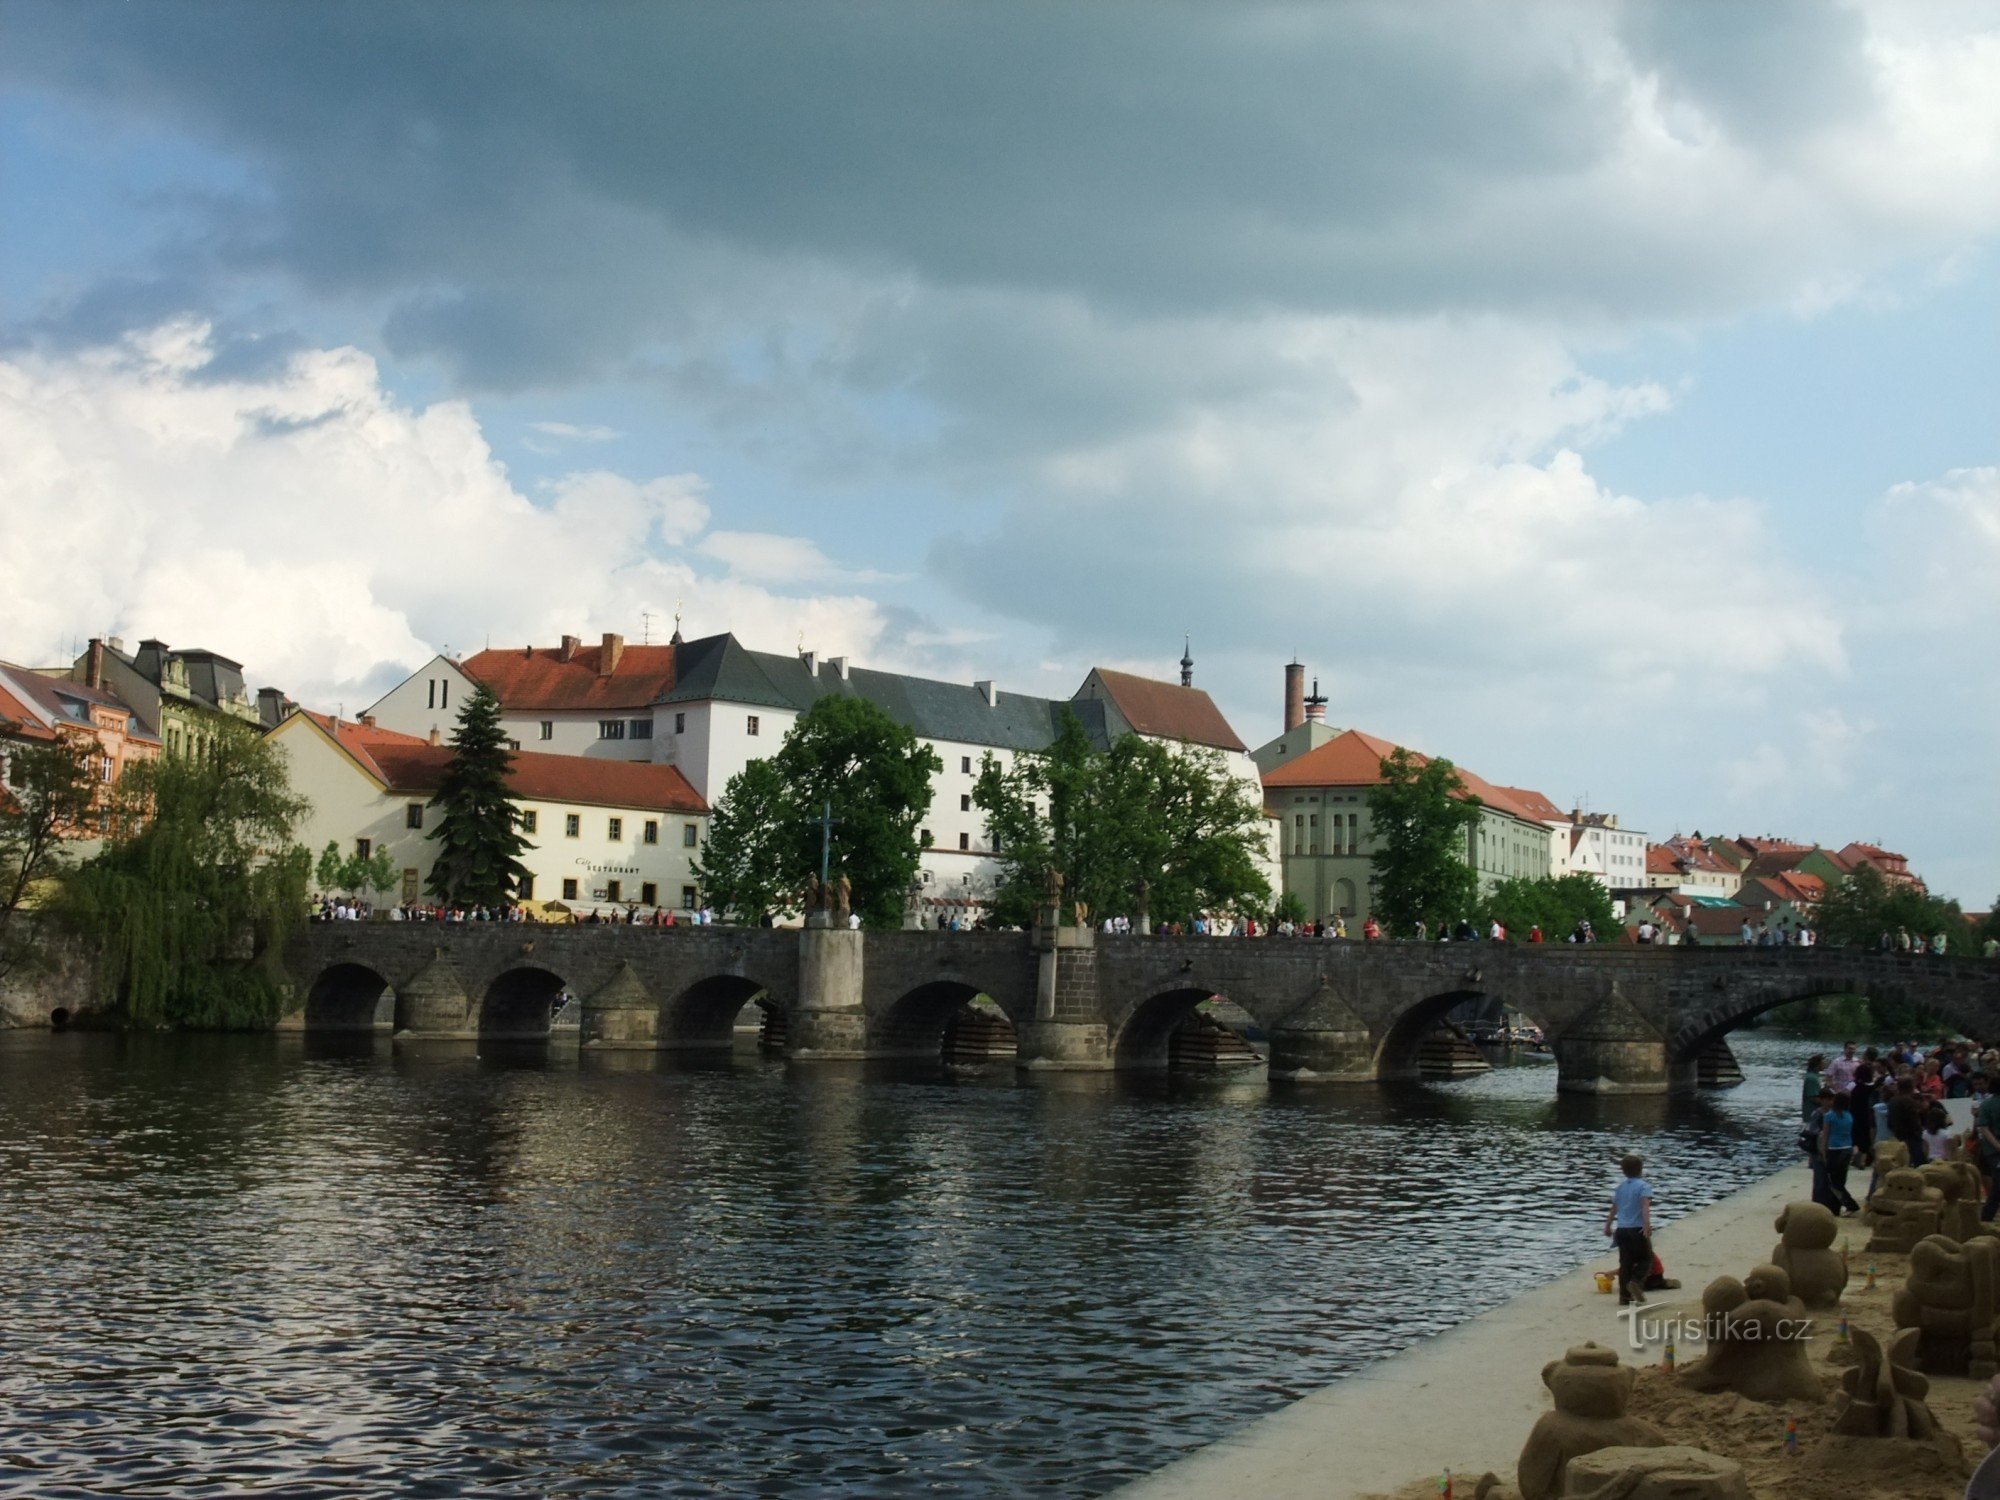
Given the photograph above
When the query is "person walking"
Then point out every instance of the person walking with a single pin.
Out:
(1906, 1119)
(1836, 1151)
(1809, 1089)
(1629, 1226)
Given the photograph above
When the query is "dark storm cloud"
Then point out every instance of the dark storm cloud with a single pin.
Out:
(540, 190)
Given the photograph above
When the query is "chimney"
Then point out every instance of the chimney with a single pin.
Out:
(368, 721)
(1316, 705)
(93, 671)
(527, 653)
(989, 692)
(839, 665)
(116, 643)
(607, 657)
(810, 661)
(436, 738)
(1295, 696)
(569, 645)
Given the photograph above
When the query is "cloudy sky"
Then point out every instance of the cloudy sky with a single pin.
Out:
(1601, 394)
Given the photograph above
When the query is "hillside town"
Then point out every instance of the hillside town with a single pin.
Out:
(619, 752)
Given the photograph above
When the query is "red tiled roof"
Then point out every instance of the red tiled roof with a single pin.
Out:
(1537, 806)
(1166, 710)
(538, 677)
(1882, 859)
(409, 763)
(19, 722)
(1355, 759)
(1660, 860)
(1777, 861)
(1794, 886)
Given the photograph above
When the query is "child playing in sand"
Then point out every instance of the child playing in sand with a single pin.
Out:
(1630, 1227)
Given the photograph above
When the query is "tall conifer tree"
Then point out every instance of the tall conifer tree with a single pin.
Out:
(478, 829)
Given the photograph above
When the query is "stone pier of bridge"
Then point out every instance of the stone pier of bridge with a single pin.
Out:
(1619, 1019)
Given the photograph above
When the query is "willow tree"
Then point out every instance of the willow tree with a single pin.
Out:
(197, 888)
(478, 831)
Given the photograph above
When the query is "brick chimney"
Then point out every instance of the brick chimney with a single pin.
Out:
(93, 669)
(368, 721)
(569, 647)
(607, 658)
(1295, 696)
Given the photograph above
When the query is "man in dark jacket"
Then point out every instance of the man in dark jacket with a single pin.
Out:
(1906, 1119)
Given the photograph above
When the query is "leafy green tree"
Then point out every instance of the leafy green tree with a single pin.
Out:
(376, 874)
(1862, 906)
(764, 833)
(1139, 819)
(330, 873)
(478, 830)
(1558, 905)
(1421, 817)
(192, 897)
(47, 798)
(748, 867)
(1289, 909)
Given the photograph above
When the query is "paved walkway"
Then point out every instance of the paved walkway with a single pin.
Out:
(1467, 1397)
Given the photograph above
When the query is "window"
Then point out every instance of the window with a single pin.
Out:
(572, 825)
(526, 888)
(750, 724)
(513, 744)
(611, 729)
(690, 834)
(444, 692)
(1313, 821)
(614, 829)
(413, 815)
(529, 819)
(965, 764)
(965, 841)
(569, 889)
(649, 894)
(924, 838)
(613, 891)
(965, 804)
(548, 729)
(652, 833)
(687, 898)
(680, 723)
(363, 848)
(641, 729)
(432, 700)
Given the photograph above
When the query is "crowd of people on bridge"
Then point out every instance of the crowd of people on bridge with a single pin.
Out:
(1860, 1099)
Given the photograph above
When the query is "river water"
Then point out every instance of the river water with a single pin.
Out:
(252, 1264)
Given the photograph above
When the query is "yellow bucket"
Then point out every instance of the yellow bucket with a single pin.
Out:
(1605, 1281)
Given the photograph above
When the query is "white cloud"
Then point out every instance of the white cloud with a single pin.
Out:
(766, 557)
(591, 433)
(327, 535)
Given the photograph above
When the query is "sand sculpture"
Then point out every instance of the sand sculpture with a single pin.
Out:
(1656, 1474)
(1951, 1299)
(1906, 1209)
(1756, 1333)
(1805, 1253)
(1958, 1181)
(1591, 1389)
(1884, 1395)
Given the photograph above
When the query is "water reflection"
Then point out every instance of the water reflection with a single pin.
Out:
(328, 1265)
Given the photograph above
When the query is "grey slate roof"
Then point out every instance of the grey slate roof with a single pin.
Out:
(720, 667)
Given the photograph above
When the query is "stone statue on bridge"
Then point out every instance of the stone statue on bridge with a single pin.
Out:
(840, 899)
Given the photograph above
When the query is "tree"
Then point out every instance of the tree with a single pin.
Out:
(747, 867)
(46, 798)
(1421, 814)
(192, 897)
(354, 873)
(1289, 909)
(1864, 905)
(764, 833)
(478, 830)
(1558, 905)
(1140, 820)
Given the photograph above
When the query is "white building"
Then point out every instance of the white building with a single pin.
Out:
(709, 707)
(601, 834)
(1615, 857)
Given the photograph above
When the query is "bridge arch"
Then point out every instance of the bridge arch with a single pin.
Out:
(517, 1005)
(1729, 1012)
(931, 1019)
(1398, 1052)
(1144, 1037)
(345, 997)
(702, 1015)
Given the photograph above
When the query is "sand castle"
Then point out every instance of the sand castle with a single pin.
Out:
(1591, 1389)
(1906, 1210)
(1884, 1395)
(1805, 1253)
(1952, 1301)
(1756, 1332)
(1957, 1180)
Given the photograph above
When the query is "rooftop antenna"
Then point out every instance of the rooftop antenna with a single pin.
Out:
(646, 627)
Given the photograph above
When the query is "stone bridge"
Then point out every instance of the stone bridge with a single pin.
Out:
(1619, 1019)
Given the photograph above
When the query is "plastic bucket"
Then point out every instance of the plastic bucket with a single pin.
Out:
(1605, 1281)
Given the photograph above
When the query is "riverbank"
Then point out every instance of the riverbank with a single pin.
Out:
(1466, 1398)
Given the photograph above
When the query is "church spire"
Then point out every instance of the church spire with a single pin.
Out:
(1187, 661)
